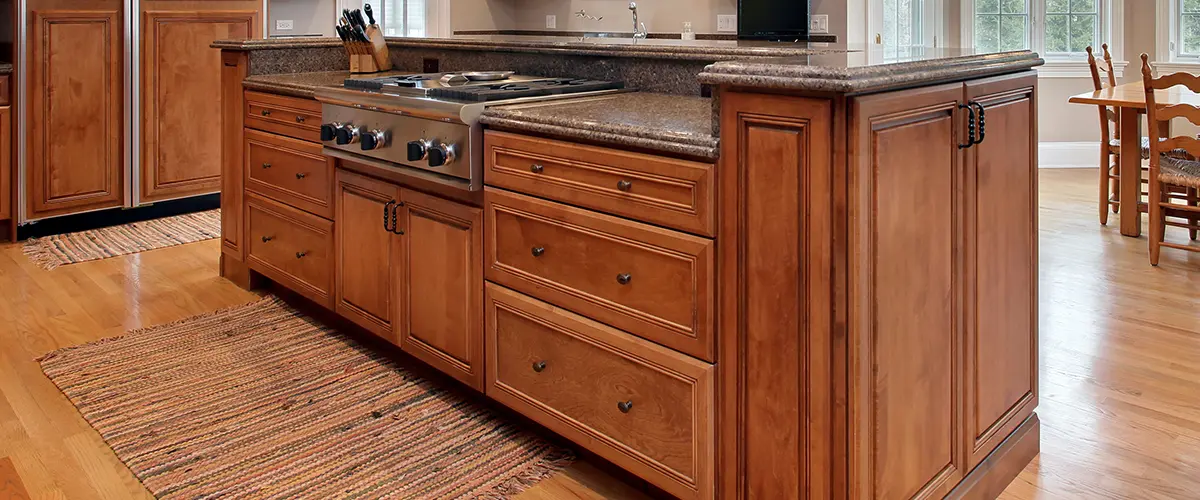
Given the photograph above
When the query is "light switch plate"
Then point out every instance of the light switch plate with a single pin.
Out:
(284, 24)
(726, 23)
(551, 22)
(819, 23)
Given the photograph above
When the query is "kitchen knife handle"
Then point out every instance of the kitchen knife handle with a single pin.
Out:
(370, 13)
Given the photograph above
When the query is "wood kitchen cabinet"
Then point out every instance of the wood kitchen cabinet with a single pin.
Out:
(76, 76)
(180, 81)
(410, 269)
(6, 162)
(916, 377)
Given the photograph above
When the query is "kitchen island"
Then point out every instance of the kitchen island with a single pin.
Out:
(825, 274)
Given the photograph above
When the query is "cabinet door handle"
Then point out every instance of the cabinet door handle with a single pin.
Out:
(539, 366)
(266, 112)
(300, 255)
(299, 119)
(625, 406)
(266, 166)
(396, 208)
(982, 122)
(624, 278)
(537, 169)
(970, 126)
(266, 239)
(387, 208)
(624, 185)
(301, 175)
(538, 251)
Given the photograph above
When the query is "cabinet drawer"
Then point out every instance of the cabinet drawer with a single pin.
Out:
(644, 407)
(666, 191)
(291, 247)
(290, 116)
(643, 279)
(290, 171)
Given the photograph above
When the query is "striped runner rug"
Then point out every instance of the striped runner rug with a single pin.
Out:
(53, 251)
(260, 401)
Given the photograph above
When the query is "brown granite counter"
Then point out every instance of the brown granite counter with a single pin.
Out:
(866, 71)
(298, 84)
(661, 122)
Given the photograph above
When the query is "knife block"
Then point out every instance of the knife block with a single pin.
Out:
(368, 57)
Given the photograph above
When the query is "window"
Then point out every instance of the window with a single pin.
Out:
(905, 25)
(1187, 28)
(1001, 25)
(403, 17)
(1059, 30)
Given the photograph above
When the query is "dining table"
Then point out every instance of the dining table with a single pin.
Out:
(1129, 102)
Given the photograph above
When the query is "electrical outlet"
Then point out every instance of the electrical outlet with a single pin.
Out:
(726, 23)
(819, 23)
(551, 22)
(284, 24)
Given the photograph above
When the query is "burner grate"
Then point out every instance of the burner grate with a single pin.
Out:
(496, 92)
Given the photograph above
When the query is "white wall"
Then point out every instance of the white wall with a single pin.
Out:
(307, 16)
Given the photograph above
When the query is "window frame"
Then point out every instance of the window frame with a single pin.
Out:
(1062, 65)
(437, 15)
(1169, 36)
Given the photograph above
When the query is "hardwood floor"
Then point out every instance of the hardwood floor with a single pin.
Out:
(1120, 376)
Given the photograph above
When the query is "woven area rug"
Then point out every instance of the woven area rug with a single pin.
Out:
(53, 251)
(259, 401)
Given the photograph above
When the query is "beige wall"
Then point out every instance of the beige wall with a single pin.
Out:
(483, 14)
(308, 16)
(660, 16)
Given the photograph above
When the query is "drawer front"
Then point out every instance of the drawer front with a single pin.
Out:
(290, 171)
(643, 279)
(291, 247)
(642, 406)
(290, 116)
(665, 191)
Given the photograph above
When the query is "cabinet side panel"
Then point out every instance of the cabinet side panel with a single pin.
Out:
(234, 68)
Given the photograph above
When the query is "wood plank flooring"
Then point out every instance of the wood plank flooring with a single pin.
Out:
(1120, 374)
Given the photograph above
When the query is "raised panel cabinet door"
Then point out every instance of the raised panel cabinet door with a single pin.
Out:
(75, 160)
(775, 333)
(441, 285)
(180, 92)
(366, 248)
(1002, 326)
(905, 271)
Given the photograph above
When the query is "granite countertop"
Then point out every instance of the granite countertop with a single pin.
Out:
(866, 71)
(660, 122)
(297, 84)
(709, 50)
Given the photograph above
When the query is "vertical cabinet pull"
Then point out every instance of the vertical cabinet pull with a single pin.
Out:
(982, 121)
(387, 209)
(970, 126)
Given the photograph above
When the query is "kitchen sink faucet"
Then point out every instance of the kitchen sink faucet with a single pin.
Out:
(639, 29)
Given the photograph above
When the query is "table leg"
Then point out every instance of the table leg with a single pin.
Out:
(1131, 172)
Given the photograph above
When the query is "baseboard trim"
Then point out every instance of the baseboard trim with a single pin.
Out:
(1068, 155)
(1001, 467)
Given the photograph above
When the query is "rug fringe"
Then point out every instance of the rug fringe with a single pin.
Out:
(36, 250)
(261, 302)
(548, 466)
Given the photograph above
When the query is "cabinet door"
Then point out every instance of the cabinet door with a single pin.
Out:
(905, 270)
(5, 163)
(180, 87)
(440, 273)
(1001, 218)
(76, 80)
(365, 285)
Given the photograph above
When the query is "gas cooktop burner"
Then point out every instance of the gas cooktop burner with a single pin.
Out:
(535, 88)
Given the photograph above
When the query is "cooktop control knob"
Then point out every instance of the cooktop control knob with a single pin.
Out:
(348, 134)
(329, 131)
(418, 149)
(440, 155)
(374, 139)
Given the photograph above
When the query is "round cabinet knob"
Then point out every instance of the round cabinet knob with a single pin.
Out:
(625, 406)
(624, 185)
(417, 150)
(539, 366)
(374, 139)
(536, 168)
(624, 278)
(348, 134)
(329, 131)
(441, 155)
(538, 251)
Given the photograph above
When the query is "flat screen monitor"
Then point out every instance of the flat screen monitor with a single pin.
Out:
(783, 20)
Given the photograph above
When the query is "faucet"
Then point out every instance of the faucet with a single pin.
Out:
(639, 29)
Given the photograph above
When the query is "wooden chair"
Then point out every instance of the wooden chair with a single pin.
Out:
(1170, 171)
(1110, 137)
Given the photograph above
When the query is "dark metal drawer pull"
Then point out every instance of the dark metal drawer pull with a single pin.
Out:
(624, 278)
(539, 366)
(266, 112)
(538, 251)
(266, 165)
(537, 169)
(625, 406)
(301, 175)
(624, 185)
(299, 119)
(300, 255)
(267, 238)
